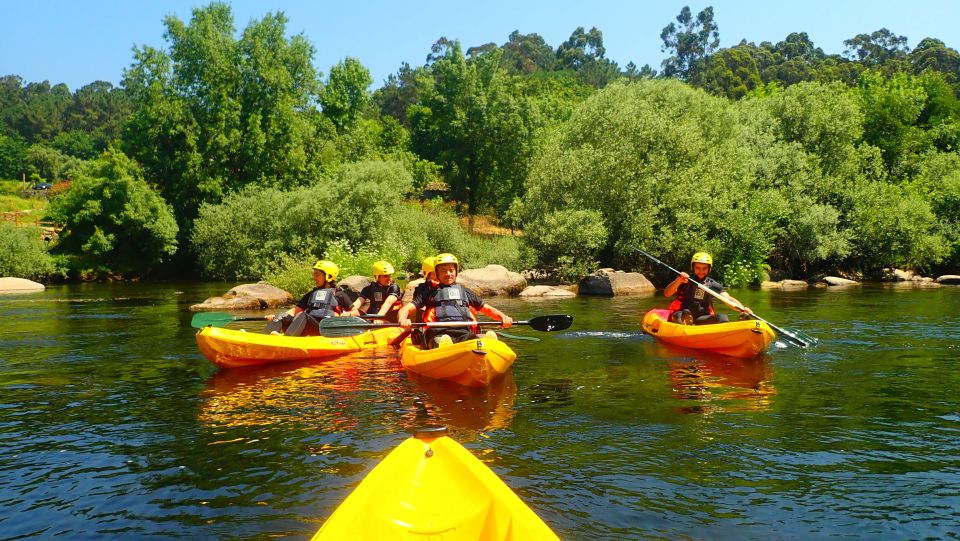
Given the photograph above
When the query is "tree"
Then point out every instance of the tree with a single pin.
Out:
(933, 54)
(689, 43)
(877, 48)
(730, 72)
(528, 53)
(112, 217)
(345, 95)
(584, 53)
(400, 91)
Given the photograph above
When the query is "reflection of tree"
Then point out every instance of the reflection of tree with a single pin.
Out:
(714, 384)
(465, 410)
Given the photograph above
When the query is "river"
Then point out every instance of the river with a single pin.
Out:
(114, 426)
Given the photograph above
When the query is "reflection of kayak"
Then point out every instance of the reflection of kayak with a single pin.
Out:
(468, 408)
(430, 487)
(231, 348)
(473, 363)
(743, 339)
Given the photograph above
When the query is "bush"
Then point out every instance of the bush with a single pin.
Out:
(568, 242)
(23, 253)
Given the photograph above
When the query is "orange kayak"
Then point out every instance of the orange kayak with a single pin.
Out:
(231, 348)
(431, 487)
(742, 339)
(474, 363)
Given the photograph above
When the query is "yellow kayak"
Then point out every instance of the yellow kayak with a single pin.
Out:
(474, 363)
(430, 487)
(231, 348)
(742, 339)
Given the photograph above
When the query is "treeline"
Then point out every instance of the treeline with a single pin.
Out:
(233, 155)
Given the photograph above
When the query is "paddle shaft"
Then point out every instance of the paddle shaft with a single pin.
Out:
(729, 303)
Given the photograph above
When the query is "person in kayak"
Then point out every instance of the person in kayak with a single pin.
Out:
(321, 302)
(383, 295)
(693, 305)
(445, 300)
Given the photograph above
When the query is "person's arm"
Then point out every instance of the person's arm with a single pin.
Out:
(387, 305)
(355, 309)
(493, 313)
(739, 306)
(403, 316)
(673, 286)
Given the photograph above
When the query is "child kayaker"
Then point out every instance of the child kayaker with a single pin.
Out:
(383, 295)
(448, 301)
(693, 305)
(321, 302)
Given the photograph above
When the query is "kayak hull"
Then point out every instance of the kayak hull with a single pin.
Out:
(474, 363)
(741, 339)
(230, 348)
(433, 488)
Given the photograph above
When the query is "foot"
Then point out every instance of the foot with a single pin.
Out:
(490, 335)
(442, 340)
(275, 333)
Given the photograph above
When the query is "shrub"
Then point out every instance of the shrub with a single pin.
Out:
(23, 253)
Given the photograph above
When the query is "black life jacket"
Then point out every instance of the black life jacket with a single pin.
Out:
(449, 304)
(377, 295)
(695, 299)
(323, 303)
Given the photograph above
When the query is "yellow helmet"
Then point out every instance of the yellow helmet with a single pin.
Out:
(329, 268)
(380, 268)
(701, 257)
(427, 266)
(443, 259)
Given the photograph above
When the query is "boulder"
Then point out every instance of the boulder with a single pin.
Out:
(540, 292)
(786, 285)
(408, 291)
(493, 280)
(897, 275)
(258, 296)
(835, 281)
(949, 279)
(353, 285)
(614, 283)
(19, 285)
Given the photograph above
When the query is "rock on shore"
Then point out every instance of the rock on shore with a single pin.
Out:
(614, 283)
(258, 296)
(19, 285)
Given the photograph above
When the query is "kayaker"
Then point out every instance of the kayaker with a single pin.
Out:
(427, 270)
(446, 300)
(321, 302)
(693, 305)
(383, 295)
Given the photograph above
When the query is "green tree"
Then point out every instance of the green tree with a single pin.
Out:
(876, 48)
(689, 43)
(891, 110)
(23, 253)
(528, 53)
(345, 95)
(111, 217)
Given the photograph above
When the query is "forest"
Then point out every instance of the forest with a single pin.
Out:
(226, 153)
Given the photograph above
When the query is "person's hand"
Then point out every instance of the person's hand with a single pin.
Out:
(747, 311)
(506, 321)
(684, 277)
(405, 323)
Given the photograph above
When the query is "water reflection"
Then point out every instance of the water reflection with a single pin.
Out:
(712, 384)
(466, 411)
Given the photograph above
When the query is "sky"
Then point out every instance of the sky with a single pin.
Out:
(79, 42)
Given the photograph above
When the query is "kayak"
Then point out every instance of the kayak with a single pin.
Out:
(742, 339)
(474, 363)
(431, 487)
(230, 348)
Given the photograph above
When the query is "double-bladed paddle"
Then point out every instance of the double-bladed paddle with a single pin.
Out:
(794, 336)
(219, 319)
(352, 326)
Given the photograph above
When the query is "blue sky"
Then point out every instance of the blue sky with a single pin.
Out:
(78, 42)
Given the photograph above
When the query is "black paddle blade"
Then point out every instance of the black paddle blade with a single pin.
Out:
(556, 322)
(335, 327)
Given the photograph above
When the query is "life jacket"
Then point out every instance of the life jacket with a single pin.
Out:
(378, 294)
(449, 303)
(692, 297)
(323, 303)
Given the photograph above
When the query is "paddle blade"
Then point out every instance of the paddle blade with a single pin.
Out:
(208, 319)
(335, 327)
(556, 322)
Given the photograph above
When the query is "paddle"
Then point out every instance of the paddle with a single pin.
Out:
(352, 326)
(219, 319)
(793, 336)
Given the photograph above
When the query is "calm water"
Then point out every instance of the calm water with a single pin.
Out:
(112, 425)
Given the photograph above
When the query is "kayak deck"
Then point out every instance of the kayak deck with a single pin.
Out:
(741, 339)
(431, 487)
(230, 348)
(474, 363)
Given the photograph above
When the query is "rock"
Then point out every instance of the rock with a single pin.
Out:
(767, 284)
(949, 279)
(897, 275)
(258, 296)
(19, 285)
(614, 283)
(408, 291)
(539, 292)
(492, 280)
(353, 285)
(786, 285)
(835, 281)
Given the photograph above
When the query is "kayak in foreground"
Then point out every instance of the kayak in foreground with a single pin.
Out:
(742, 339)
(229, 348)
(474, 363)
(431, 487)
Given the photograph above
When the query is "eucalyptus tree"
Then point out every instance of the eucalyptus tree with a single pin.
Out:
(688, 43)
